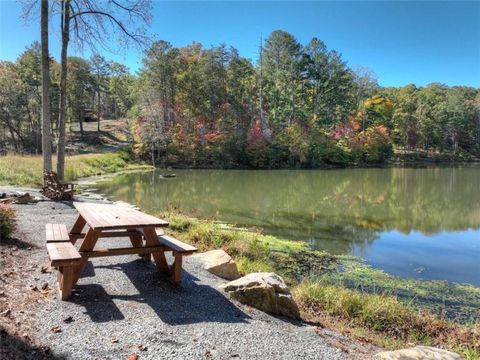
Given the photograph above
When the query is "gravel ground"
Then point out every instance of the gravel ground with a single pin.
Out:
(121, 306)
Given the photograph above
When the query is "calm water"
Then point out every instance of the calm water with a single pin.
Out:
(422, 223)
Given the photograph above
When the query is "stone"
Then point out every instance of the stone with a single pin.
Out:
(219, 263)
(264, 291)
(418, 353)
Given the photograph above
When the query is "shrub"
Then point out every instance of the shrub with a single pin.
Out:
(7, 220)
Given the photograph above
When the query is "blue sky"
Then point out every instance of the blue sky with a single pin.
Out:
(402, 42)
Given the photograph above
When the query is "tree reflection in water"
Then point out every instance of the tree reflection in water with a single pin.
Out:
(342, 211)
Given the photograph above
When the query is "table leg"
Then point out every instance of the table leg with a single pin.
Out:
(151, 239)
(77, 228)
(87, 245)
(177, 269)
(137, 241)
(66, 283)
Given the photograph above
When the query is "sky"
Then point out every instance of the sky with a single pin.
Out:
(402, 42)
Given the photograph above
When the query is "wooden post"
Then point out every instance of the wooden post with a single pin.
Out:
(67, 281)
(177, 269)
(77, 228)
(159, 257)
(87, 245)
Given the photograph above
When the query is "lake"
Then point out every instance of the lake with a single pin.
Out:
(413, 222)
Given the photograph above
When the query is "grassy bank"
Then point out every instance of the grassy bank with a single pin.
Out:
(344, 293)
(19, 170)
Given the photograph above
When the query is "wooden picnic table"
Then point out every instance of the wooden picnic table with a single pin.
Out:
(108, 220)
(111, 221)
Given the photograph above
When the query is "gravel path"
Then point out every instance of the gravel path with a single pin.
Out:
(122, 306)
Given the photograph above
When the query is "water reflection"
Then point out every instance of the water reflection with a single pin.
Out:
(349, 211)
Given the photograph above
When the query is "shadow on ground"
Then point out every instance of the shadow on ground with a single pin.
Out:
(174, 305)
(12, 347)
(20, 244)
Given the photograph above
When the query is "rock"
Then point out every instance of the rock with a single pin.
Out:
(264, 291)
(418, 353)
(219, 263)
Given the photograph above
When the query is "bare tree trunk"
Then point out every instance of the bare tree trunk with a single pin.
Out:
(46, 120)
(82, 116)
(65, 25)
(98, 105)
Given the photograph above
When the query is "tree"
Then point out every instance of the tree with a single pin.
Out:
(46, 120)
(330, 84)
(80, 84)
(120, 86)
(404, 116)
(29, 69)
(13, 106)
(282, 58)
(100, 68)
(65, 30)
(93, 21)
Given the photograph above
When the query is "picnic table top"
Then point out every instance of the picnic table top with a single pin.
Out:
(111, 217)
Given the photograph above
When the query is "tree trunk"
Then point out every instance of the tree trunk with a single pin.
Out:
(82, 116)
(46, 120)
(65, 25)
(98, 103)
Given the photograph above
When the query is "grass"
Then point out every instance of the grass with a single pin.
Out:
(344, 293)
(23, 170)
(389, 322)
(457, 302)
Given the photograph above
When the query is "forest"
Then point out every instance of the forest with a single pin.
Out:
(298, 105)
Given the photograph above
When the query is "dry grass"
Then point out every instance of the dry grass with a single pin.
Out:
(383, 319)
(24, 170)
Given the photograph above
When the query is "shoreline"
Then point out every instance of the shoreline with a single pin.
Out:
(341, 274)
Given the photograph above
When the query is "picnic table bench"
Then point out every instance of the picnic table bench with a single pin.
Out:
(111, 221)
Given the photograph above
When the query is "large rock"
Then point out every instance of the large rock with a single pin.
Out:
(264, 291)
(219, 263)
(418, 353)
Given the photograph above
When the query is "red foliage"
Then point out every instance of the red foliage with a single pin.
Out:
(255, 134)
(212, 136)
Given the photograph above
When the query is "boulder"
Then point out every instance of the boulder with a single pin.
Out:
(264, 291)
(219, 263)
(418, 353)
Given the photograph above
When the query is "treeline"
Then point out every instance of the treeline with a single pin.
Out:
(298, 106)
(96, 88)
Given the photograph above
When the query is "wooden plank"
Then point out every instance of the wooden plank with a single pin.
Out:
(66, 282)
(159, 257)
(125, 251)
(177, 269)
(64, 232)
(176, 245)
(111, 234)
(62, 253)
(56, 233)
(110, 217)
(49, 231)
(87, 245)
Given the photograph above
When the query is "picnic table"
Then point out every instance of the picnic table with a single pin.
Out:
(111, 221)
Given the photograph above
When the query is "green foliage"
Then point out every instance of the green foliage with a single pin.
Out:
(7, 220)
(299, 106)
